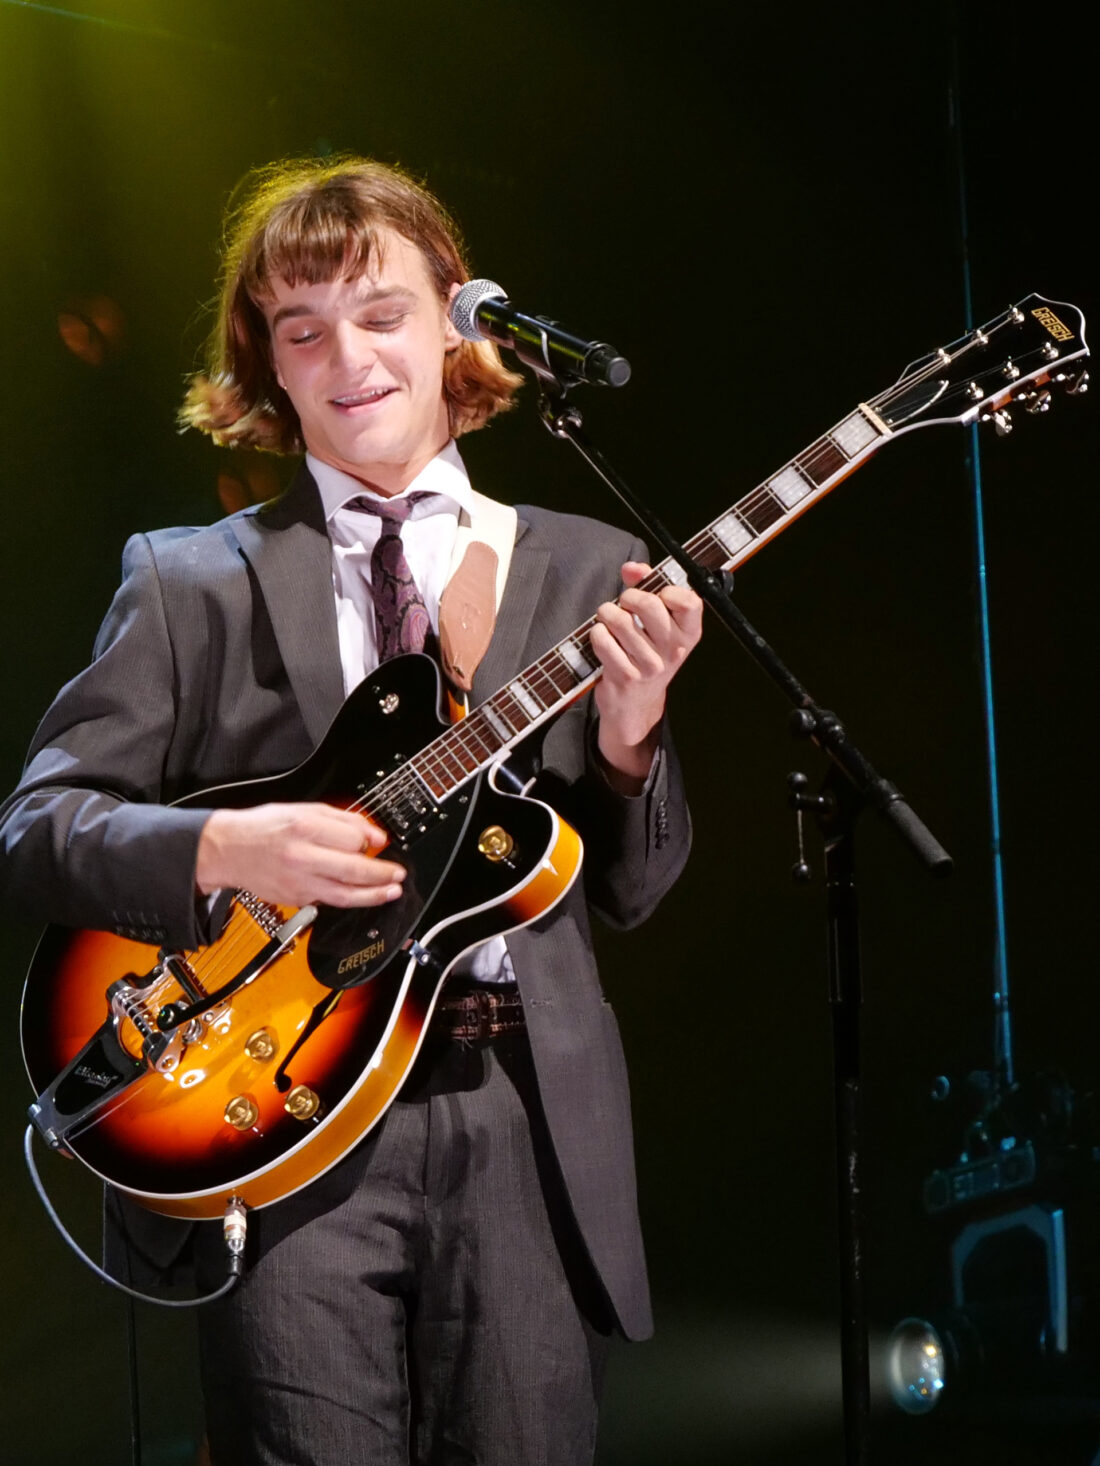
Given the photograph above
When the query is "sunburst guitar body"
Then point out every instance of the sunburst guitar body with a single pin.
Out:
(246, 1068)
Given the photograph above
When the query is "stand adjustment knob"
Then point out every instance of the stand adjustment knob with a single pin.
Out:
(802, 725)
(798, 799)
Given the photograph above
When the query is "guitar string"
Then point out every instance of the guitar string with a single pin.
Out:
(455, 746)
(206, 963)
(416, 776)
(823, 452)
(454, 741)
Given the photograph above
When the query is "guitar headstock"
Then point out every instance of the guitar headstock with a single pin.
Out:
(1018, 357)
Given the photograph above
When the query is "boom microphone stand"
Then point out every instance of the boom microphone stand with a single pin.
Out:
(850, 785)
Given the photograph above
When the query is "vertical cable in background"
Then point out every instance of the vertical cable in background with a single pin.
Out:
(1002, 1033)
(134, 1373)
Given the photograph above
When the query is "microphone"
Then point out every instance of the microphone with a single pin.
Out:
(482, 310)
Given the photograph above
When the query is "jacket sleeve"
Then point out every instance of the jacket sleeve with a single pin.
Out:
(84, 839)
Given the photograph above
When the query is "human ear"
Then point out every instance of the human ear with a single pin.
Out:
(451, 335)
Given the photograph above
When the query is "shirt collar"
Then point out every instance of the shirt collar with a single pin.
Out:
(445, 477)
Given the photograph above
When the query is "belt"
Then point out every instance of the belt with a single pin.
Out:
(479, 1012)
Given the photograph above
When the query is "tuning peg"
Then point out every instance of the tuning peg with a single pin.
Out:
(1076, 383)
(1036, 402)
(1002, 423)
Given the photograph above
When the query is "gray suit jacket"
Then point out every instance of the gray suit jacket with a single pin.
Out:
(219, 661)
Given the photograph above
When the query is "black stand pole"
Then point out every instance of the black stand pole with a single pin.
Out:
(851, 783)
(845, 999)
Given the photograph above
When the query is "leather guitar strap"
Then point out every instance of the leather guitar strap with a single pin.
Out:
(470, 600)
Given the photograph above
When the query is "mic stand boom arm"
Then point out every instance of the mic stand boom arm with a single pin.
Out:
(808, 719)
(851, 783)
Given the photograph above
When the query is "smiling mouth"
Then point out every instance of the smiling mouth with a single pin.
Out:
(363, 399)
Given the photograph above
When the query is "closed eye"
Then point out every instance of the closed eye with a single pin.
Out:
(386, 323)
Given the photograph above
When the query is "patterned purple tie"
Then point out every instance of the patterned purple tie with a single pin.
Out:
(400, 615)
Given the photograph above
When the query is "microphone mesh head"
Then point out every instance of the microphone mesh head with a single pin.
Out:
(465, 304)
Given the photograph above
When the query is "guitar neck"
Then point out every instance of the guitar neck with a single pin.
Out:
(569, 669)
(772, 505)
(1010, 358)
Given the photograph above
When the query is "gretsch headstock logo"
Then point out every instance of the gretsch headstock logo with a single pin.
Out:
(1047, 319)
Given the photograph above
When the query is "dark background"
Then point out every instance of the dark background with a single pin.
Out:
(761, 209)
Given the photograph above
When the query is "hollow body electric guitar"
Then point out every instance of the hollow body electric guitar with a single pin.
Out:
(247, 1068)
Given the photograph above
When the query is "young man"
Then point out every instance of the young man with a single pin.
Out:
(446, 1292)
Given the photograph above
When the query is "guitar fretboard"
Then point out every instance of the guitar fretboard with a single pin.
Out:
(770, 507)
(567, 670)
(1031, 342)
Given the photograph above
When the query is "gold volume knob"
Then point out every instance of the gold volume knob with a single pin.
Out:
(302, 1102)
(495, 843)
(261, 1044)
(242, 1112)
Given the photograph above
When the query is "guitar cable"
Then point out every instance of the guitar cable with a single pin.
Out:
(234, 1229)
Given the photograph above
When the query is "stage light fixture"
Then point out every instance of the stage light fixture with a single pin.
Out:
(1006, 1335)
(915, 1366)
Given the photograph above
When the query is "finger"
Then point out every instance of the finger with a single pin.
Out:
(624, 653)
(683, 604)
(361, 871)
(685, 608)
(635, 571)
(629, 635)
(648, 622)
(609, 653)
(672, 619)
(335, 894)
(375, 838)
(342, 829)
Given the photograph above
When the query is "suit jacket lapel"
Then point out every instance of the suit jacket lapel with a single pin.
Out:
(506, 653)
(287, 545)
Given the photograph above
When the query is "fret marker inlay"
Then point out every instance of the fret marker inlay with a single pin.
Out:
(854, 434)
(498, 725)
(731, 532)
(524, 698)
(575, 659)
(789, 487)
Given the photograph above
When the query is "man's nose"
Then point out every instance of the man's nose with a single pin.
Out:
(352, 347)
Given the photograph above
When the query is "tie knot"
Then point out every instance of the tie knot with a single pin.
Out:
(392, 512)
